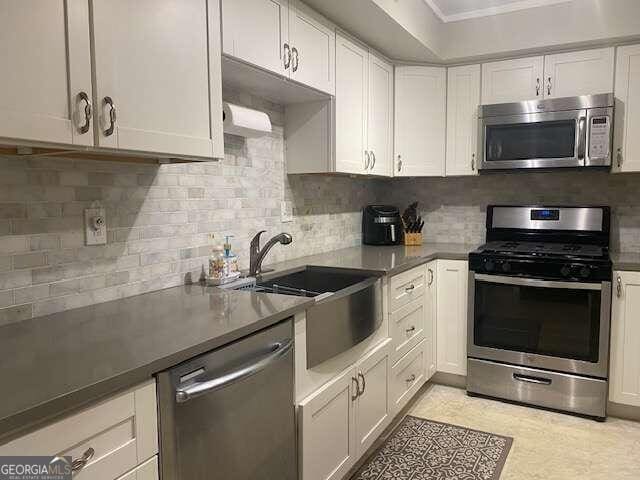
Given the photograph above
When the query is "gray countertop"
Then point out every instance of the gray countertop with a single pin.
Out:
(51, 365)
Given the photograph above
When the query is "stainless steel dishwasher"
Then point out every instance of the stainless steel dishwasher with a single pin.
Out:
(229, 414)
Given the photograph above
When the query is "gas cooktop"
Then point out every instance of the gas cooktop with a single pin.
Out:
(545, 249)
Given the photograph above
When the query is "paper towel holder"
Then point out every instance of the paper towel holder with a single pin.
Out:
(245, 122)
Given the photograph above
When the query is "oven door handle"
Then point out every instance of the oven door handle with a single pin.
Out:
(529, 379)
(533, 282)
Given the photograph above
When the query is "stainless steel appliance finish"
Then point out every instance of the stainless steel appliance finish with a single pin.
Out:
(539, 308)
(213, 424)
(559, 391)
(257, 254)
(562, 132)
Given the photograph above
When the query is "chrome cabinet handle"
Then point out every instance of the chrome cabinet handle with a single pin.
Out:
(411, 378)
(287, 56)
(430, 276)
(619, 157)
(364, 385)
(373, 159)
(536, 380)
(410, 288)
(112, 116)
(549, 86)
(296, 59)
(367, 159)
(83, 97)
(357, 394)
(619, 287)
(79, 463)
(538, 87)
(411, 329)
(399, 163)
(473, 162)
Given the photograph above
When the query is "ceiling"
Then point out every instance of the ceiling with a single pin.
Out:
(453, 10)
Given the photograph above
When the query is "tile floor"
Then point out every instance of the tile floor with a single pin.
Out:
(546, 445)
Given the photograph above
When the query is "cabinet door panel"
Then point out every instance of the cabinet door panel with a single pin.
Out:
(463, 98)
(430, 320)
(407, 376)
(578, 73)
(327, 439)
(44, 70)
(625, 340)
(380, 134)
(452, 316)
(373, 405)
(512, 80)
(313, 43)
(627, 124)
(255, 31)
(162, 101)
(352, 65)
(407, 327)
(420, 118)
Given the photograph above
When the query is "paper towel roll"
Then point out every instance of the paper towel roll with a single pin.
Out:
(245, 122)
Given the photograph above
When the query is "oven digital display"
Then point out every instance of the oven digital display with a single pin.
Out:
(545, 214)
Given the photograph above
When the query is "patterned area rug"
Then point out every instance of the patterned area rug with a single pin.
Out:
(421, 449)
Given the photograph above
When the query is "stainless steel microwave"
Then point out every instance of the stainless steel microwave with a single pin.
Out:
(559, 132)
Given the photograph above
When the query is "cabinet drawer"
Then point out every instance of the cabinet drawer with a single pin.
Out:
(122, 431)
(407, 287)
(147, 471)
(407, 376)
(407, 328)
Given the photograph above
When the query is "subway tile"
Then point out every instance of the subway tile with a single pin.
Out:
(6, 298)
(15, 279)
(43, 177)
(13, 244)
(15, 314)
(31, 294)
(74, 178)
(88, 193)
(13, 210)
(29, 260)
(44, 242)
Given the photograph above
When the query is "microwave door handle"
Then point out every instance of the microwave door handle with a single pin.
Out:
(393, 232)
(582, 137)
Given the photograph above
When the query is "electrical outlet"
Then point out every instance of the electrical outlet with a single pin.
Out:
(286, 212)
(95, 226)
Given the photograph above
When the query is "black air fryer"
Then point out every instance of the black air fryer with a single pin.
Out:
(381, 225)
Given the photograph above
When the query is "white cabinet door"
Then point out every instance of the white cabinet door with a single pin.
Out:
(578, 73)
(327, 430)
(313, 48)
(372, 411)
(256, 32)
(512, 80)
(162, 100)
(46, 66)
(452, 316)
(380, 134)
(430, 347)
(463, 98)
(352, 67)
(420, 118)
(625, 339)
(627, 123)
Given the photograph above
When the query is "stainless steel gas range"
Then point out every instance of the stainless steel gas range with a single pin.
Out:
(539, 308)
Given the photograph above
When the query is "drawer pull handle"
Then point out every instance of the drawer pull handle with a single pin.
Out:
(79, 463)
(410, 329)
(112, 116)
(357, 388)
(83, 97)
(430, 277)
(619, 287)
(528, 379)
(410, 288)
(411, 378)
(364, 385)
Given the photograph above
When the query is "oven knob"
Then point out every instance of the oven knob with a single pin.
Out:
(585, 272)
(565, 271)
(506, 267)
(489, 266)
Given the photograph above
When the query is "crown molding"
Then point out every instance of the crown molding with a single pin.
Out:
(486, 12)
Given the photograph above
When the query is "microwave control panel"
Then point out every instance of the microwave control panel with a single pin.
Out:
(599, 135)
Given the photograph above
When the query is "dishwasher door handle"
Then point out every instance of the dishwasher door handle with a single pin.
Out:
(278, 350)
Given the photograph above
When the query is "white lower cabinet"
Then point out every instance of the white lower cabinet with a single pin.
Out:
(624, 384)
(340, 421)
(451, 315)
(407, 376)
(122, 433)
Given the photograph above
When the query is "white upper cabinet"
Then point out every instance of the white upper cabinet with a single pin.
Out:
(512, 80)
(578, 73)
(626, 156)
(451, 316)
(463, 98)
(313, 48)
(420, 118)
(380, 123)
(154, 98)
(625, 339)
(45, 85)
(257, 31)
(352, 80)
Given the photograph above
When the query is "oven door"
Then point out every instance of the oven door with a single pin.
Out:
(561, 326)
(533, 140)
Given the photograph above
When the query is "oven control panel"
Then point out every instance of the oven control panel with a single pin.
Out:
(599, 136)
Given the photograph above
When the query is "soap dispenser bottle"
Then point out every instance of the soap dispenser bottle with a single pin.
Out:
(230, 260)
